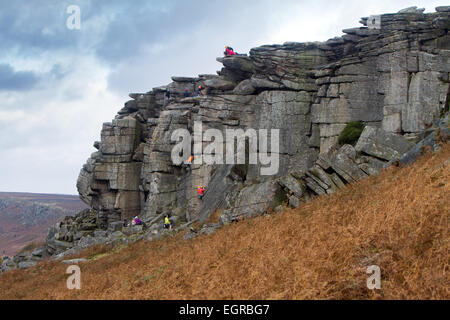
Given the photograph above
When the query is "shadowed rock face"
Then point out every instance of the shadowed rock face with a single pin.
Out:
(395, 79)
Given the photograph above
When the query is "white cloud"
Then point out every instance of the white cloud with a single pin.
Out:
(47, 139)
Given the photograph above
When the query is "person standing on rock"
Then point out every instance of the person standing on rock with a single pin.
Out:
(167, 223)
(186, 93)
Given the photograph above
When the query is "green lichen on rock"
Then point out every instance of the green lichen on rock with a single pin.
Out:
(351, 133)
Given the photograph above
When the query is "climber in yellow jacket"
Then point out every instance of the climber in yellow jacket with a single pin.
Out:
(167, 223)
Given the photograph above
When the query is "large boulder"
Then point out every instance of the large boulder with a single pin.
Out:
(7, 265)
(238, 62)
(219, 83)
(343, 162)
(244, 87)
(292, 185)
(432, 140)
(381, 144)
(26, 264)
(412, 10)
(255, 199)
(236, 68)
(443, 9)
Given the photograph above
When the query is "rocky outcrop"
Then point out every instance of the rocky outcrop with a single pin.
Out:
(393, 76)
(24, 260)
(109, 182)
(431, 138)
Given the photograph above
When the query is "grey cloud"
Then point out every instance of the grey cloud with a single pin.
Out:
(57, 72)
(35, 26)
(29, 28)
(139, 24)
(12, 80)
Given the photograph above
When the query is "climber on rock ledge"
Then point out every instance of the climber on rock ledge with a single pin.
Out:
(229, 51)
(201, 192)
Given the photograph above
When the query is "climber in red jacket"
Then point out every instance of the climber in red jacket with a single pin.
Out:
(229, 51)
(201, 192)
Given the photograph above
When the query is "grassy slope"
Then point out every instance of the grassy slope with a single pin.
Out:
(398, 220)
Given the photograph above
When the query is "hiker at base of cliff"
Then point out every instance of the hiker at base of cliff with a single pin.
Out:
(201, 192)
(186, 93)
(139, 222)
(229, 51)
(167, 222)
(125, 223)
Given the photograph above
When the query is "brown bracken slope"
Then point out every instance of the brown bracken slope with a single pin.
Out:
(398, 220)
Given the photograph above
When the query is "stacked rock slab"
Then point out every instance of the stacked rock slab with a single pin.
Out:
(375, 150)
(347, 164)
(392, 74)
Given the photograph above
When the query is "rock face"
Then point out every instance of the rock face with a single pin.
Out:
(109, 182)
(394, 77)
(392, 74)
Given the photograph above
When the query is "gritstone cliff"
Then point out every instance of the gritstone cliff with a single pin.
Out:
(392, 74)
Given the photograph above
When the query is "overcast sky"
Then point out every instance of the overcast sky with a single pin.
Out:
(57, 86)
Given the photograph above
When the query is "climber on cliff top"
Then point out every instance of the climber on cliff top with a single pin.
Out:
(199, 91)
(229, 51)
(201, 192)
